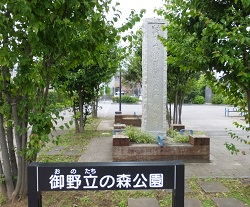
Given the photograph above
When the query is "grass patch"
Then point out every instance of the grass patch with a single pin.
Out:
(137, 136)
(73, 142)
(181, 138)
(177, 137)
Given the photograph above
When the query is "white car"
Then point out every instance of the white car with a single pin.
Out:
(118, 93)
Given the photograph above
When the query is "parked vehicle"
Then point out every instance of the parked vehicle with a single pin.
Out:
(118, 93)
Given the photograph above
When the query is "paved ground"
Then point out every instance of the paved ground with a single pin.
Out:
(207, 118)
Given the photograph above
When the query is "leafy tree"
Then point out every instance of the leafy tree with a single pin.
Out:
(84, 78)
(83, 87)
(133, 63)
(36, 38)
(180, 79)
(220, 31)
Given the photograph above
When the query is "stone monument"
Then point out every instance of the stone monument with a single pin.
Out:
(154, 78)
(208, 94)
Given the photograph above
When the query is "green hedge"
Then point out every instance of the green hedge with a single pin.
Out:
(217, 99)
(199, 100)
(126, 99)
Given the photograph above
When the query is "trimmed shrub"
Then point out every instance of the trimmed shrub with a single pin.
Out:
(125, 99)
(199, 100)
(217, 99)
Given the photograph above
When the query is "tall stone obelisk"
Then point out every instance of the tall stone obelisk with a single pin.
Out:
(154, 78)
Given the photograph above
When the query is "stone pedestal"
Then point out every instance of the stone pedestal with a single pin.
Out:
(154, 78)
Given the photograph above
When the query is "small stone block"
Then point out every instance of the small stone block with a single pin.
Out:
(192, 202)
(213, 187)
(228, 202)
(199, 140)
(142, 202)
(177, 127)
(120, 140)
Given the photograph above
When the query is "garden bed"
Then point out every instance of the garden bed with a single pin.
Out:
(196, 150)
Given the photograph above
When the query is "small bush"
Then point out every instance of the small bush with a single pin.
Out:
(125, 99)
(199, 100)
(177, 137)
(2, 199)
(115, 99)
(137, 136)
(217, 99)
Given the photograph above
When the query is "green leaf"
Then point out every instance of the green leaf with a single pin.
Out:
(66, 125)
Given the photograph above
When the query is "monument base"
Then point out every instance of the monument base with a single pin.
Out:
(197, 150)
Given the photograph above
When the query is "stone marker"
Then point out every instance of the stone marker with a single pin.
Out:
(154, 78)
(208, 94)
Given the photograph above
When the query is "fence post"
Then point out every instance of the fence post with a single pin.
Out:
(178, 192)
(34, 196)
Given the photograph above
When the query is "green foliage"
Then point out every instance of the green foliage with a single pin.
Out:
(133, 75)
(68, 45)
(2, 179)
(2, 199)
(177, 137)
(199, 100)
(125, 99)
(232, 148)
(196, 86)
(217, 36)
(107, 90)
(217, 99)
(137, 136)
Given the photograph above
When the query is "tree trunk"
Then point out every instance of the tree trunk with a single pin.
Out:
(5, 159)
(175, 117)
(24, 183)
(180, 108)
(169, 119)
(76, 119)
(19, 157)
(3, 189)
(95, 108)
(11, 149)
(81, 111)
(247, 117)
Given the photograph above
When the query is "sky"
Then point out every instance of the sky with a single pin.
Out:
(127, 5)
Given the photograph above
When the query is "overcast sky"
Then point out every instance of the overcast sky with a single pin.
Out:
(127, 5)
